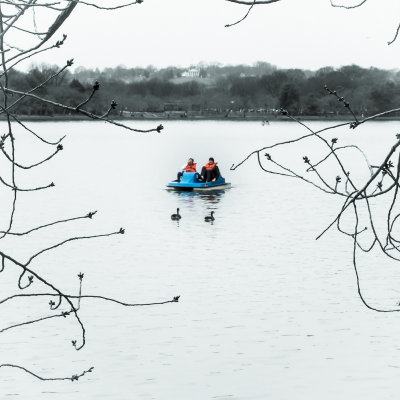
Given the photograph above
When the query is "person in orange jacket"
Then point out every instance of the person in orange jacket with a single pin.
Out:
(210, 171)
(190, 167)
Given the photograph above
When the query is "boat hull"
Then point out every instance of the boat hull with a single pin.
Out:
(190, 182)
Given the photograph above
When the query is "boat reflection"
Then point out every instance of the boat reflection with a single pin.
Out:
(213, 197)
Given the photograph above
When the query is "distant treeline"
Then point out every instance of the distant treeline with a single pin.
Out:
(206, 89)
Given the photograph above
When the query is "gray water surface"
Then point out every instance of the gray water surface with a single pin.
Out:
(266, 311)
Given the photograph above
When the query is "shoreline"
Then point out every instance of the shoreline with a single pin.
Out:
(181, 117)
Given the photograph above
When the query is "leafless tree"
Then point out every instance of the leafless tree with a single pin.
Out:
(373, 193)
(27, 29)
(381, 186)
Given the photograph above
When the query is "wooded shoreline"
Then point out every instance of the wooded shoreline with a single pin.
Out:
(213, 117)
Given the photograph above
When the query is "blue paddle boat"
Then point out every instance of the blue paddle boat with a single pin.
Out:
(190, 182)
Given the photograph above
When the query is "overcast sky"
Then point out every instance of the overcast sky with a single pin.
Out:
(307, 34)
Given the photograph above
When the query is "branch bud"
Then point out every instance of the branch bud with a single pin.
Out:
(389, 164)
(90, 214)
(61, 42)
(354, 125)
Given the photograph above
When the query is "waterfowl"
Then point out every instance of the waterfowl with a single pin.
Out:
(209, 217)
(176, 216)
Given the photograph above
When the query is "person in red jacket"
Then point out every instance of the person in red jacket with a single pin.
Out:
(190, 167)
(210, 172)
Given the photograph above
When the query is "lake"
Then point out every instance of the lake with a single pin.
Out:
(266, 311)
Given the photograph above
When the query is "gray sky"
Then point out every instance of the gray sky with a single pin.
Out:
(305, 34)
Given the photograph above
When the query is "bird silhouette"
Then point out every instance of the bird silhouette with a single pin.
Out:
(177, 216)
(209, 217)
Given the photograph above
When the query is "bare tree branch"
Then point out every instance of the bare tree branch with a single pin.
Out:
(395, 35)
(244, 17)
(348, 7)
(250, 3)
(72, 378)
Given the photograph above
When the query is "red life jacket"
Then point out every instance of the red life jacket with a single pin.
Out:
(190, 168)
(210, 166)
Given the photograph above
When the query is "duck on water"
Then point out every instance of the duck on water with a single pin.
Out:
(177, 216)
(210, 217)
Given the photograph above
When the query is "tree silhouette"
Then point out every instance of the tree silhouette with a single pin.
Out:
(22, 17)
(332, 171)
(289, 98)
(382, 184)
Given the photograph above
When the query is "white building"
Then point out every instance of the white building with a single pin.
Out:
(191, 73)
